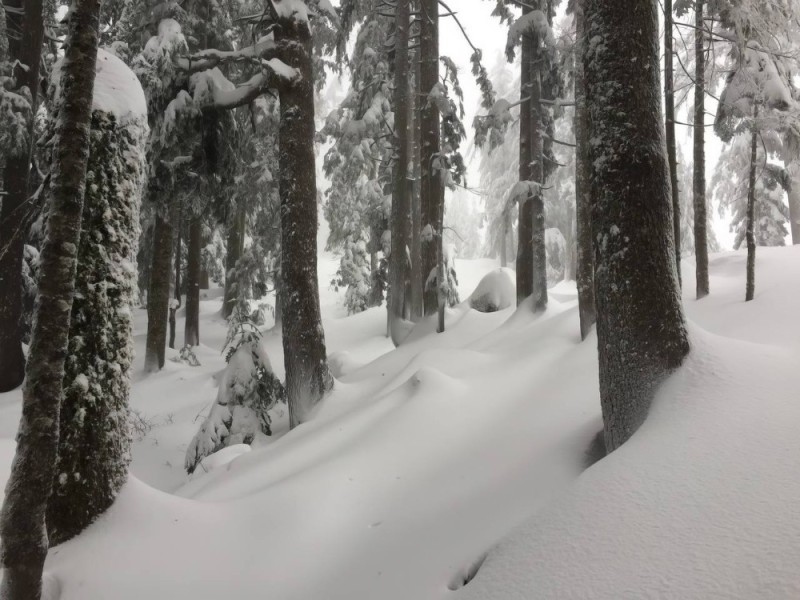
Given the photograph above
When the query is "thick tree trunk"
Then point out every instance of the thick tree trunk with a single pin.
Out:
(669, 123)
(432, 197)
(27, 50)
(417, 279)
(538, 250)
(641, 333)
(192, 328)
(307, 374)
(583, 190)
(158, 294)
(398, 264)
(699, 184)
(793, 167)
(751, 214)
(22, 523)
(234, 247)
(524, 264)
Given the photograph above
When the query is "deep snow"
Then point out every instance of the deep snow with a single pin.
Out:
(428, 456)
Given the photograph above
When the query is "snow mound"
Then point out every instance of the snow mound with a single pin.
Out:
(496, 291)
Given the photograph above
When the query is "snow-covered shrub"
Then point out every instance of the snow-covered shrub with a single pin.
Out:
(95, 435)
(247, 391)
(556, 251)
(450, 287)
(354, 273)
(496, 291)
(187, 356)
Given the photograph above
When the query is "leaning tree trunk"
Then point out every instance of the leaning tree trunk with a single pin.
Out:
(158, 294)
(583, 190)
(537, 243)
(669, 123)
(192, 327)
(27, 50)
(234, 248)
(432, 196)
(641, 333)
(398, 271)
(22, 523)
(699, 184)
(751, 216)
(524, 264)
(307, 374)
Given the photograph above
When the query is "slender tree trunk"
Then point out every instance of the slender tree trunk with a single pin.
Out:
(307, 374)
(158, 294)
(570, 257)
(431, 185)
(27, 50)
(192, 327)
(641, 333)
(504, 241)
(417, 278)
(751, 216)
(174, 306)
(538, 250)
(699, 185)
(583, 190)
(400, 188)
(524, 264)
(793, 167)
(669, 122)
(235, 247)
(22, 523)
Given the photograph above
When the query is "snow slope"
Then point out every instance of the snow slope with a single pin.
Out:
(425, 457)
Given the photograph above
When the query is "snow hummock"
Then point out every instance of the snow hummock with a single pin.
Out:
(117, 90)
(496, 291)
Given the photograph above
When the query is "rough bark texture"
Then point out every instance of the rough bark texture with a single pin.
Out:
(583, 190)
(537, 242)
(158, 295)
(641, 334)
(27, 51)
(234, 247)
(22, 523)
(793, 166)
(416, 294)
(398, 271)
(432, 193)
(699, 183)
(307, 374)
(524, 266)
(174, 306)
(669, 123)
(192, 331)
(750, 287)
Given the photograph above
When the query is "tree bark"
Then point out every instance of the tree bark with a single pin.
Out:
(192, 328)
(583, 190)
(432, 196)
(22, 523)
(793, 167)
(174, 306)
(27, 50)
(398, 271)
(524, 266)
(158, 294)
(234, 247)
(417, 279)
(669, 123)
(699, 184)
(751, 210)
(538, 250)
(641, 333)
(307, 374)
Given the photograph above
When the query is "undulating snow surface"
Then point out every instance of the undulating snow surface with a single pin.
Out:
(427, 457)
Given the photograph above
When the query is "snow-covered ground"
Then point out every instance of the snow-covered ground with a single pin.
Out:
(428, 456)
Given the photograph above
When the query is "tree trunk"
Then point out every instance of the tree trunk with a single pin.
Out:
(158, 294)
(669, 123)
(538, 250)
(27, 50)
(174, 306)
(400, 188)
(524, 264)
(793, 167)
(504, 240)
(22, 523)
(192, 328)
(417, 279)
(235, 247)
(583, 190)
(307, 374)
(699, 185)
(641, 333)
(432, 196)
(751, 217)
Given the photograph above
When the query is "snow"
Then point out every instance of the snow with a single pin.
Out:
(496, 291)
(426, 457)
(117, 90)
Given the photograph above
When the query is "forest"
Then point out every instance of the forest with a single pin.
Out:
(399, 299)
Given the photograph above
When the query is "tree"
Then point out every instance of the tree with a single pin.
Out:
(699, 187)
(22, 523)
(641, 331)
(94, 434)
(18, 102)
(669, 115)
